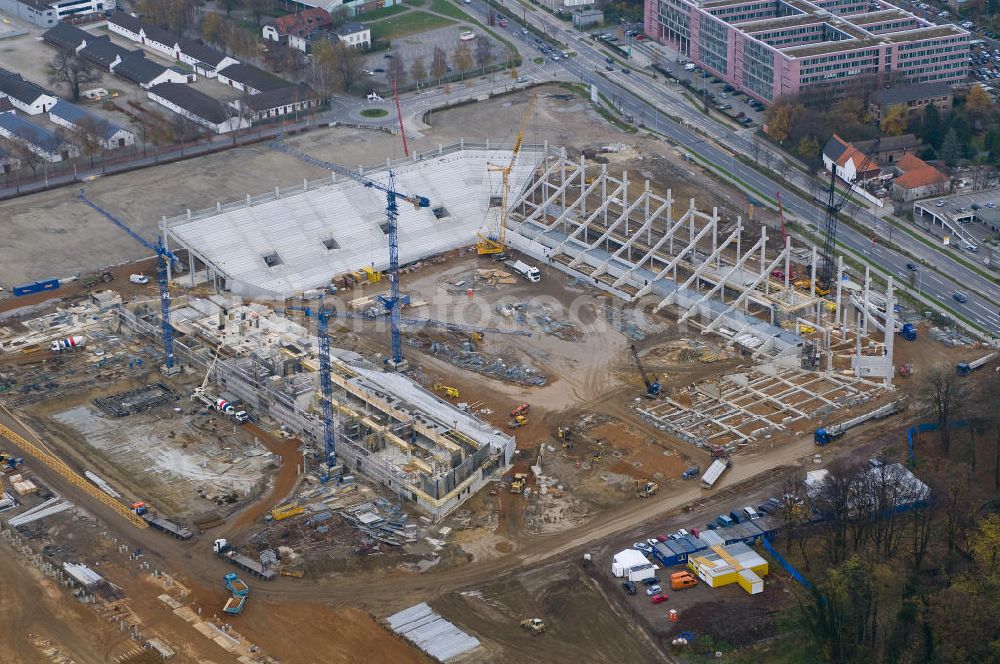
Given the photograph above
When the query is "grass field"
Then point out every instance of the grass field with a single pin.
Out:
(408, 24)
(383, 13)
(449, 8)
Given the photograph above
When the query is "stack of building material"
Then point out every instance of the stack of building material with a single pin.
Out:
(24, 487)
(431, 633)
(48, 508)
(82, 574)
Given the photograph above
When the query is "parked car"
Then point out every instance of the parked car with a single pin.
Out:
(629, 587)
(658, 599)
(138, 278)
(651, 581)
(642, 546)
(653, 590)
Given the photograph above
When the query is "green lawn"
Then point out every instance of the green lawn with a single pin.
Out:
(449, 8)
(382, 13)
(408, 24)
(374, 112)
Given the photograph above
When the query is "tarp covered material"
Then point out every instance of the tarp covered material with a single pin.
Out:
(431, 633)
(280, 246)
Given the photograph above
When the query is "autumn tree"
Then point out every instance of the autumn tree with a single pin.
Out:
(808, 147)
(978, 105)
(396, 71)
(69, 69)
(323, 74)
(462, 58)
(417, 71)
(483, 53)
(348, 65)
(895, 121)
(780, 119)
(335, 67)
(211, 28)
(439, 65)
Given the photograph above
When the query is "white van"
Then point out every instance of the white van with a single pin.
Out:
(751, 513)
(690, 67)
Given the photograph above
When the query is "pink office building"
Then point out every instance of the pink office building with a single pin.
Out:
(774, 48)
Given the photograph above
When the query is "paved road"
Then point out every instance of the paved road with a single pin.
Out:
(643, 98)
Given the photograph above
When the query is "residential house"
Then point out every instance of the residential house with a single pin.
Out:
(37, 139)
(77, 119)
(918, 179)
(103, 52)
(846, 159)
(197, 107)
(66, 37)
(145, 73)
(355, 35)
(913, 97)
(25, 96)
(46, 13)
(205, 60)
(252, 79)
(298, 30)
(276, 103)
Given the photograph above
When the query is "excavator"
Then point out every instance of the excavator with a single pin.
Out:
(491, 241)
(450, 392)
(652, 386)
(519, 416)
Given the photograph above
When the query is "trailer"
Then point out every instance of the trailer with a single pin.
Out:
(167, 526)
(255, 567)
(36, 287)
(825, 435)
(965, 368)
(714, 472)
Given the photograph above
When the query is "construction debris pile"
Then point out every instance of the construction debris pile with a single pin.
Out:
(541, 317)
(136, 401)
(380, 521)
(486, 364)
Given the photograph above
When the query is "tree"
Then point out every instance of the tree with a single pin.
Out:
(211, 28)
(417, 70)
(323, 72)
(28, 157)
(978, 104)
(229, 5)
(70, 69)
(933, 129)
(439, 65)
(895, 121)
(780, 119)
(257, 9)
(808, 147)
(484, 52)
(941, 395)
(951, 148)
(91, 135)
(396, 71)
(462, 58)
(348, 66)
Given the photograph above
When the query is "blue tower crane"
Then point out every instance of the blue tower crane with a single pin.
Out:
(323, 316)
(162, 256)
(391, 301)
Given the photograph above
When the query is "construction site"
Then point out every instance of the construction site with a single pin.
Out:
(435, 378)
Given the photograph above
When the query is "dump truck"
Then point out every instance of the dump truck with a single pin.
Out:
(235, 585)
(965, 368)
(530, 273)
(234, 605)
(222, 549)
(826, 435)
(714, 472)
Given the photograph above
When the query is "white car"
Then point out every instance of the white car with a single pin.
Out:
(654, 590)
(138, 278)
(374, 97)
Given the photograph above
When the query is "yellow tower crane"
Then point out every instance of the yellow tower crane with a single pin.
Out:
(491, 240)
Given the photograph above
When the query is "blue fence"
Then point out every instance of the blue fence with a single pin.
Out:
(787, 565)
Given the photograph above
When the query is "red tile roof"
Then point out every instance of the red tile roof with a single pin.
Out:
(304, 22)
(917, 173)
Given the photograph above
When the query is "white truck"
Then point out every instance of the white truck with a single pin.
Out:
(528, 272)
(713, 473)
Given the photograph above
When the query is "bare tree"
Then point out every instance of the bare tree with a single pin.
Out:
(68, 68)
(462, 58)
(439, 65)
(484, 52)
(417, 71)
(941, 395)
(347, 64)
(257, 8)
(91, 134)
(28, 157)
(397, 70)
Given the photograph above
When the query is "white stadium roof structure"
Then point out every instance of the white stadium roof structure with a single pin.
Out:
(298, 238)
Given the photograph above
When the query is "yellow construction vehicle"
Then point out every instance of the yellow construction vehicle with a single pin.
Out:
(449, 392)
(518, 421)
(517, 484)
(491, 241)
(533, 625)
(805, 284)
(475, 337)
(646, 489)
